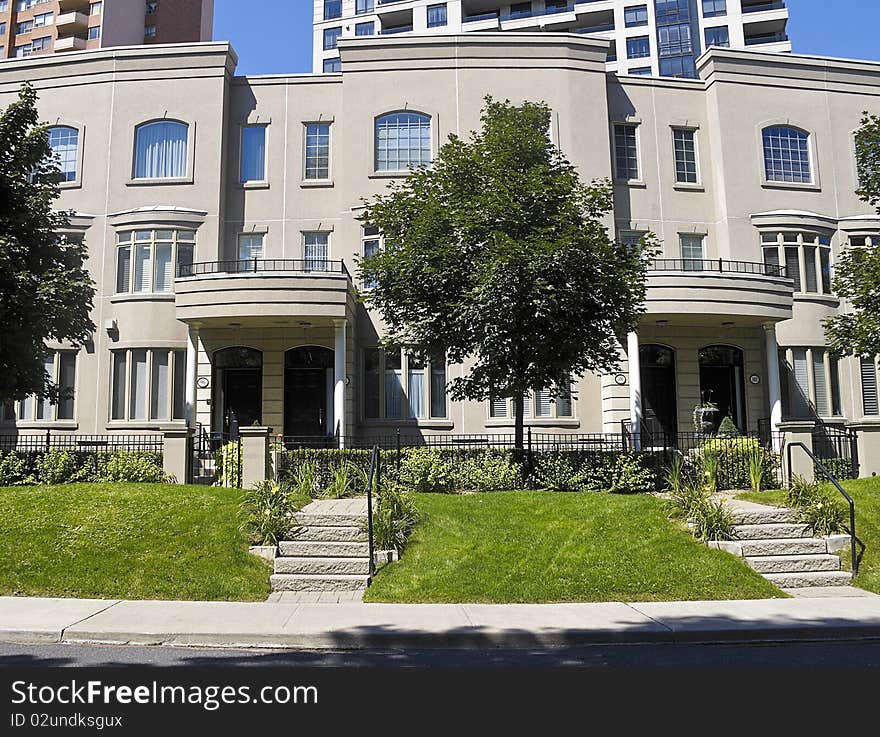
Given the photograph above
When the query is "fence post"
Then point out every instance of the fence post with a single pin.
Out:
(530, 457)
(254, 451)
(48, 439)
(397, 455)
(795, 461)
(177, 455)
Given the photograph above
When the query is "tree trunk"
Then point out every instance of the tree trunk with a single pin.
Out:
(518, 405)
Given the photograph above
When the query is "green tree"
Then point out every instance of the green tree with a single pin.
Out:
(45, 293)
(500, 256)
(857, 271)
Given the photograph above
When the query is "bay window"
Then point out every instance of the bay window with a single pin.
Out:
(399, 385)
(145, 259)
(148, 384)
(805, 256)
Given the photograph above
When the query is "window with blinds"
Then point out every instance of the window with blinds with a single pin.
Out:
(810, 380)
(60, 367)
(807, 259)
(148, 384)
(145, 259)
(870, 399)
(403, 386)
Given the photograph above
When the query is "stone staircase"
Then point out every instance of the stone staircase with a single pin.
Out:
(783, 550)
(328, 552)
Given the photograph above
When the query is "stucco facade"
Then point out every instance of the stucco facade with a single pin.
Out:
(720, 315)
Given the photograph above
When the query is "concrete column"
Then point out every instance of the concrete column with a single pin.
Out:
(192, 372)
(255, 462)
(635, 388)
(800, 431)
(176, 456)
(774, 386)
(868, 447)
(339, 378)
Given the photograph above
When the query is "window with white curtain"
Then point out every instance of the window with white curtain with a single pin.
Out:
(63, 141)
(316, 251)
(145, 259)
(253, 153)
(161, 150)
(148, 384)
(400, 385)
(60, 367)
(250, 246)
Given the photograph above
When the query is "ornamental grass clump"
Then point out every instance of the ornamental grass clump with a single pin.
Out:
(268, 513)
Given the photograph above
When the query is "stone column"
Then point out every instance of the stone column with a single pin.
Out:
(774, 386)
(868, 447)
(192, 373)
(176, 455)
(798, 431)
(635, 388)
(255, 463)
(339, 379)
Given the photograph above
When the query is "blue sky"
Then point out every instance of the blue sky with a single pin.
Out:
(275, 36)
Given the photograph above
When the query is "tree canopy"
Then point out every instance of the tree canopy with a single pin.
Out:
(857, 270)
(45, 293)
(499, 255)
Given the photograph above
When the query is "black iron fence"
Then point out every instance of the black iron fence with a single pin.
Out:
(260, 265)
(44, 442)
(216, 458)
(718, 266)
(837, 450)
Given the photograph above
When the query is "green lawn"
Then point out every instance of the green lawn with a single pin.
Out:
(132, 541)
(866, 495)
(528, 546)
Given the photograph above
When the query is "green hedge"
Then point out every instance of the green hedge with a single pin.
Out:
(60, 466)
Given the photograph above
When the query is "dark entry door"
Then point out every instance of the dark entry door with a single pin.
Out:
(242, 393)
(658, 389)
(305, 401)
(722, 383)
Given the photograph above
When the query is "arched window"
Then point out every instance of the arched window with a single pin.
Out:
(161, 150)
(403, 141)
(64, 142)
(787, 155)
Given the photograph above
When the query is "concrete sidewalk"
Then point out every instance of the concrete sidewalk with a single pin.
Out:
(391, 626)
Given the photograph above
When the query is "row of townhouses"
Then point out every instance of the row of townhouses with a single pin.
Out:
(221, 215)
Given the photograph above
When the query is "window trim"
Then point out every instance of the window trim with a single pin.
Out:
(148, 421)
(152, 294)
(328, 182)
(375, 171)
(815, 184)
(188, 178)
(636, 125)
(80, 128)
(698, 185)
(71, 423)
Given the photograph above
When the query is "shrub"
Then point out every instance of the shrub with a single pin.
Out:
(817, 507)
(625, 473)
(560, 471)
(123, 466)
(303, 480)
(14, 470)
(268, 511)
(840, 468)
(395, 516)
(675, 474)
(734, 462)
(64, 467)
(711, 520)
(229, 465)
(684, 500)
(728, 428)
(491, 470)
(426, 471)
(802, 492)
(347, 480)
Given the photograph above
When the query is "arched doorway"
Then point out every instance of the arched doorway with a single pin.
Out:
(238, 387)
(659, 405)
(722, 382)
(308, 391)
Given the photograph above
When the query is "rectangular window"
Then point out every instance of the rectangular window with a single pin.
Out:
(675, 40)
(684, 144)
(640, 72)
(498, 408)
(393, 385)
(331, 36)
(714, 8)
(638, 47)
(41, 44)
(44, 19)
(438, 386)
(870, 399)
(44, 408)
(145, 259)
(137, 405)
(317, 165)
(415, 391)
(178, 405)
(120, 374)
(635, 15)
(718, 36)
(332, 9)
(253, 153)
(793, 266)
(142, 262)
(66, 385)
(316, 251)
(626, 152)
(60, 367)
(97, 8)
(823, 408)
(26, 26)
(437, 15)
(250, 247)
(810, 269)
(801, 387)
(363, 6)
(149, 31)
(521, 10)
(371, 383)
(692, 252)
(371, 243)
(825, 263)
(148, 385)
(160, 386)
(398, 387)
(365, 29)
(333, 65)
(163, 275)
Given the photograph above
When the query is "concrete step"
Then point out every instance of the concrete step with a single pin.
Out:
(789, 546)
(329, 520)
(772, 531)
(794, 563)
(809, 578)
(300, 582)
(323, 566)
(329, 534)
(322, 549)
(766, 516)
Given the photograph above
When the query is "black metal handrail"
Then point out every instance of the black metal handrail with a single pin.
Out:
(852, 507)
(372, 478)
(718, 266)
(259, 265)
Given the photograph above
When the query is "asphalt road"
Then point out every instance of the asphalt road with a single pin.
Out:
(853, 654)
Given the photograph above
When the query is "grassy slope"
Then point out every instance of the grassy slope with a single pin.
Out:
(866, 495)
(133, 541)
(544, 547)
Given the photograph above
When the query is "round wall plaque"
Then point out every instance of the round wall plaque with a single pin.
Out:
(755, 379)
(203, 382)
(620, 379)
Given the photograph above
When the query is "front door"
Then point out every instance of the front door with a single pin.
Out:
(722, 383)
(659, 408)
(242, 393)
(305, 402)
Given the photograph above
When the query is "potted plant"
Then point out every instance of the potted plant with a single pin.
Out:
(705, 417)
